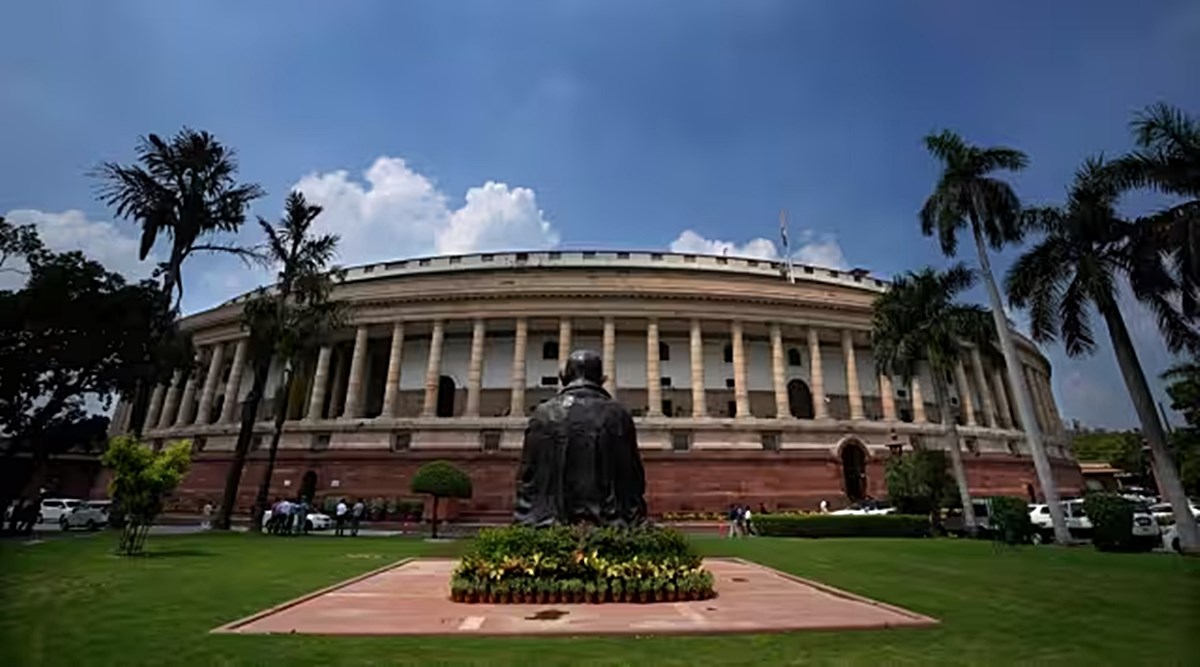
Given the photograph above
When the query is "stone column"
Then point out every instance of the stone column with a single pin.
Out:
(187, 405)
(1038, 411)
(564, 342)
(740, 396)
(1056, 424)
(1006, 420)
(358, 367)
(985, 392)
(653, 371)
(887, 397)
(391, 391)
(609, 353)
(475, 368)
(856, 405)
(155, 408)
(778, 377)
(918, 401)
(965, 399)
(516, 406)
(820, 410)
(433, 370)
(234, 384)
(699, 407)
(337, 396)
(316, 402)
(204, 412)
(171, 403)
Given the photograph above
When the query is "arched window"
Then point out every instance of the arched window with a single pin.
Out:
(550, 350)
(729, 354)
(664, 352)
(794, 357)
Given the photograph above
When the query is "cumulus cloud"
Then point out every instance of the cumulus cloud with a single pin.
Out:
(812, 248)
(397, 212)
(72, 230)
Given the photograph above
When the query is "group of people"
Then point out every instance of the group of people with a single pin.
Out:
(741, 520)
(288, 517)
(348, 516)
(23, 515)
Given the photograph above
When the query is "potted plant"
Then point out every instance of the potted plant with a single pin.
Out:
(617, 588)
(577, 591)
(660, 589)
(590, 591)
(601, 591)
(670, 588)
(647, 589)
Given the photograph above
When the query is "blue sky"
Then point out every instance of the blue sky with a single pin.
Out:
(613, 124)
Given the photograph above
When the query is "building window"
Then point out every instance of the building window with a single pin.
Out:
(728, 353)
(656, 256)
(490, 439)
(664, 382)
(257, 443)
(550, 350)
(320, 441)
(1014, 448)
(901, 393)
(486, 258)
(729, 383)
(681, 441)
(689, 258)
(732, 408)
(199, 443)
(906, 415)
(752, 263)
(554, 255)
(664, 352)
(794, 357)
(973, 446)
(423, 262)
(522, 257)
(622, 255)
(456, 260)
(668, 408)
(401, 441)
(722, 260)
(770, 441)
(590, 254)
(808, 269)
(548, 381)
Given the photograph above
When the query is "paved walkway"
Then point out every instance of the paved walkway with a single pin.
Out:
(412, 598)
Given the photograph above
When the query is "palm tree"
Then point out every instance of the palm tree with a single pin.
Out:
(287, 322)
(1087, 248)
(918, 321)
(966, 195)
(185, 188)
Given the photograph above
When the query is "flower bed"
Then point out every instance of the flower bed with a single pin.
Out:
(518, 564)
(833, 525)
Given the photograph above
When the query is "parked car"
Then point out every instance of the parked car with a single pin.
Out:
(982, 507)
(866, 507)
(53, 509)
(1170, 536)
(1145, 528)
(314, 521)
(1165, 514)
(91, 514)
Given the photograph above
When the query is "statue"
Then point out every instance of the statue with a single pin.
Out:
(580, 462)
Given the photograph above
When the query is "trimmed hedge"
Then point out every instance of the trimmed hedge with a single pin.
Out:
(1010, 519)
(830, 525)
(1112, 521)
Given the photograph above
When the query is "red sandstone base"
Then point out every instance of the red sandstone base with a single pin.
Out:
(412, 598)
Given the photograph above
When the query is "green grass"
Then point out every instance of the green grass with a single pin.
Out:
(70, 602)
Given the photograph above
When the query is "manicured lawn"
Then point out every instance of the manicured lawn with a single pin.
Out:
(70, 602)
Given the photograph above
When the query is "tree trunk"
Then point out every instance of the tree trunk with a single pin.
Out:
(1143, 402)
(433, 519)
(1012, 363)
(264, 487)
(245, 434)
(955, 448)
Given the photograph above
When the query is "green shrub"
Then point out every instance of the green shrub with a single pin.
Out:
(1112, 521)
(1010, 519)
(440, 479)
(919, 482)
(829, 525)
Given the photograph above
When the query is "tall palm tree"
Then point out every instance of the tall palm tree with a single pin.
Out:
(919, 321)
(287, 322)
(185, 188)
(966, 195)
(1086, 250)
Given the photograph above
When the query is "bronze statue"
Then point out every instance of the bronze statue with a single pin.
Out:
(580, 462)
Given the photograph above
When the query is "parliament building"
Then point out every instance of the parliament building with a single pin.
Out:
(749, 382)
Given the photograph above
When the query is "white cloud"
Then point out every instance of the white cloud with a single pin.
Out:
(71, 230)
(397, 212)
(814, 248)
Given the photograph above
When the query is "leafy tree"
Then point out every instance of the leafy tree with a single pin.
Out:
(186, 188)
(967, 195)
(1085, 250)
(141, 480)
(288, 321)
(73, 330)
(1184, 390)
(440, 479)
(918, 483)
(918, 320)
(19, 242)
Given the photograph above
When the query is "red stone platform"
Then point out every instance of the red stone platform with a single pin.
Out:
(412, 598)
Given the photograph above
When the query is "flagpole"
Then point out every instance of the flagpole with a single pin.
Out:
(787, 253)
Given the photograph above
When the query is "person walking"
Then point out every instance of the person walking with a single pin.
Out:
(340, 518)
(733, 521)
(824, 507)
(206, 512)
(747, 516)
(356, 514)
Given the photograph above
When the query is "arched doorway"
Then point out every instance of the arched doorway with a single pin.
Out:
(445, 396)
(308, 485)
(854, 470)
(800, 401)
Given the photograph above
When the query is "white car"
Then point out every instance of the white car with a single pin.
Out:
(314, 521)
(1165, 514)
(1170, 537)
(865, 508)
(53, 509)
(1144, 525)
(91, 514)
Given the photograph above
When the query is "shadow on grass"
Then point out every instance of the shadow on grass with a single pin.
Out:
(174, 553)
